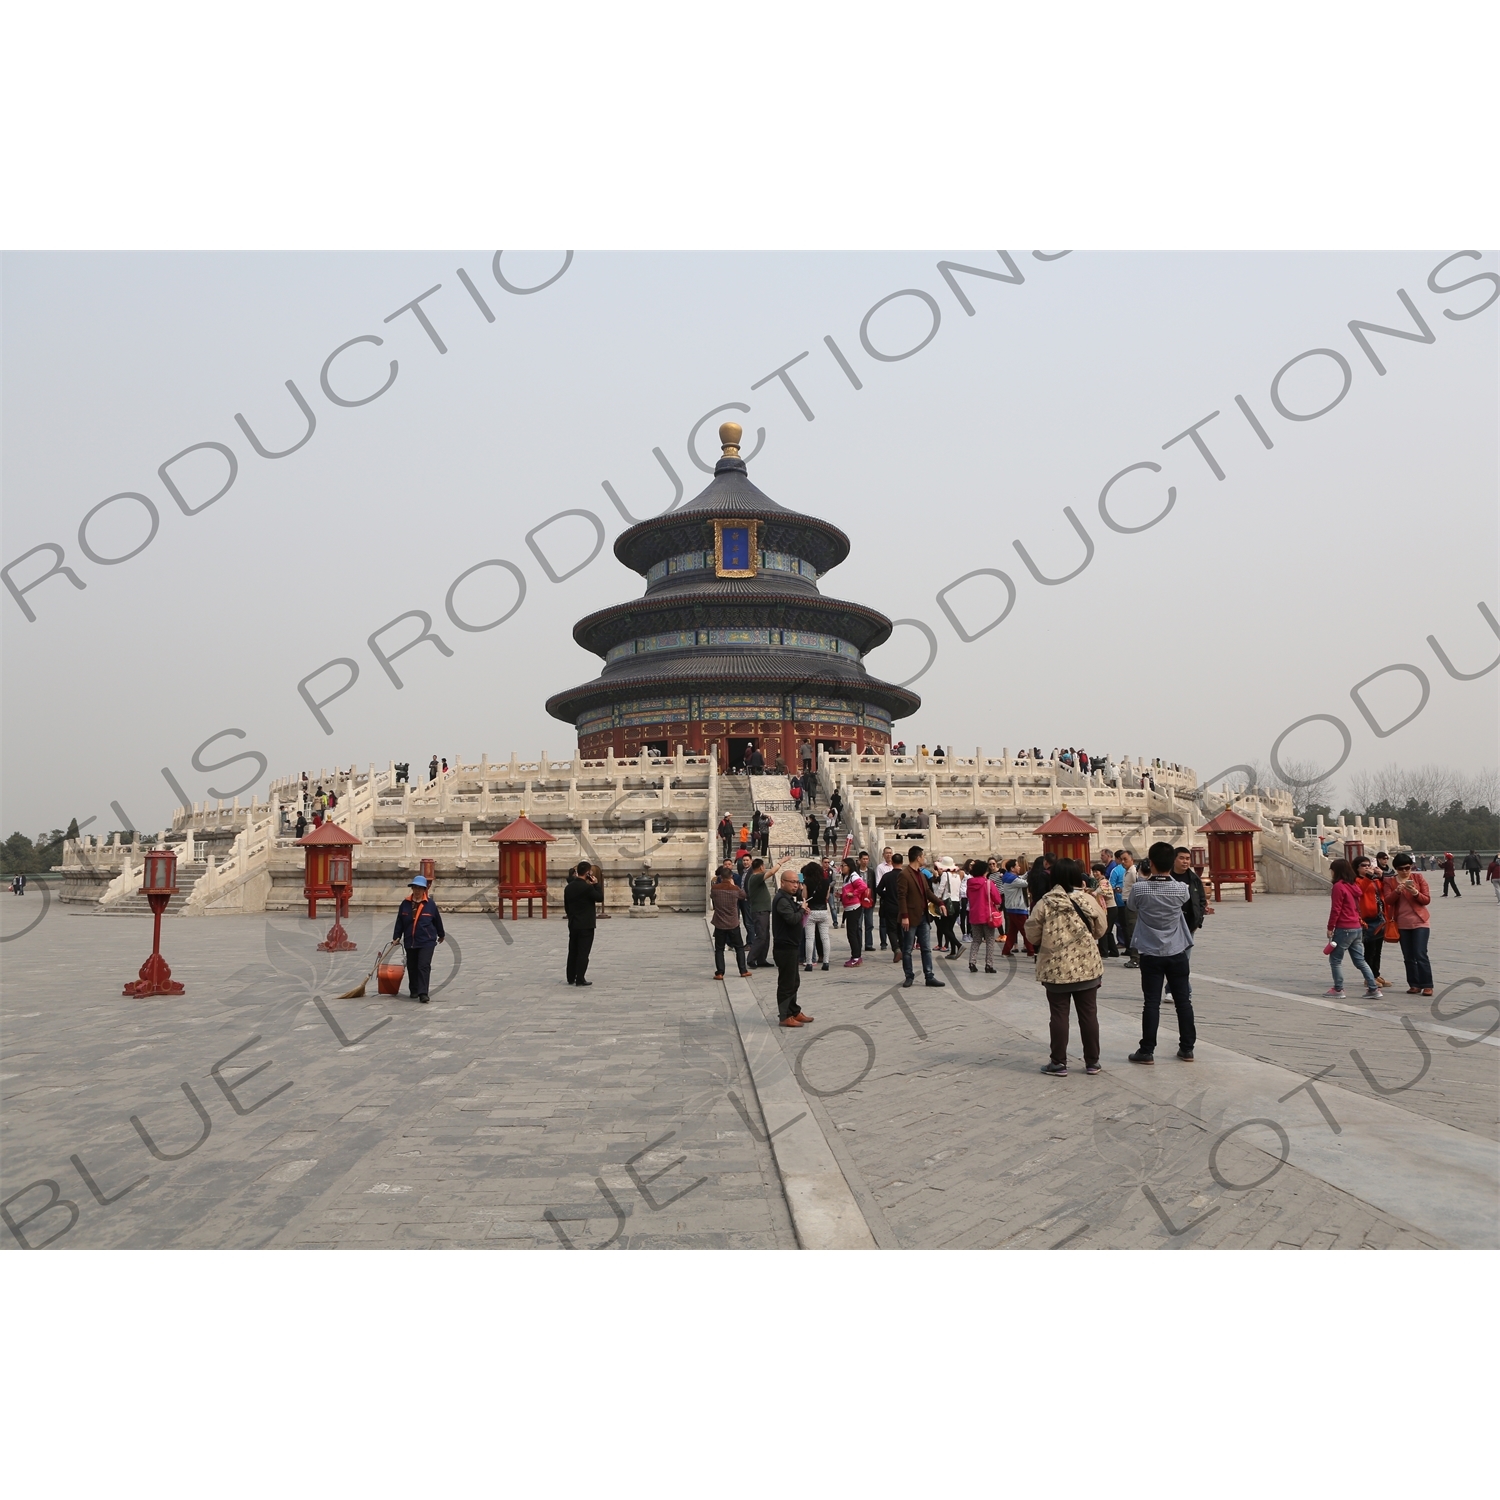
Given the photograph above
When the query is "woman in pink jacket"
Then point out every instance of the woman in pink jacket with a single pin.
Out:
(984, 912)
(1346, 930)
(853, 894)
(1408, 899)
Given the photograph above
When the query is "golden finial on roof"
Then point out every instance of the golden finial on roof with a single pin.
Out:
(730, 434)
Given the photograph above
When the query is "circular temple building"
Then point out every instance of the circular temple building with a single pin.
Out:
(732, 647)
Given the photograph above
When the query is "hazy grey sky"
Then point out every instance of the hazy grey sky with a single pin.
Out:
(1260, 599)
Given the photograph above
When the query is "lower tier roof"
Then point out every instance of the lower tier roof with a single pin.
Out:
(717, 672)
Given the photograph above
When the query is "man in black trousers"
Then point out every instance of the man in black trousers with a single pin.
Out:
(786, 945)
(419, 925)
(582, 897)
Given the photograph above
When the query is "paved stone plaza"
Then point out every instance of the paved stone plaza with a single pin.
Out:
(515, 1111)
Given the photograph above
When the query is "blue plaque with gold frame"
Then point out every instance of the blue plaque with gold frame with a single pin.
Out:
(735, 548)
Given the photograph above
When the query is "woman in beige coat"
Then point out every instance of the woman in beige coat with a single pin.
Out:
(1066, 925)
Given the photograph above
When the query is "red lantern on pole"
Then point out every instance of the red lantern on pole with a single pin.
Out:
(523, 865)
(340, 877)
(160, 885)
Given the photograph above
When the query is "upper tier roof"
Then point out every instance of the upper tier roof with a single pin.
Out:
(730, 496)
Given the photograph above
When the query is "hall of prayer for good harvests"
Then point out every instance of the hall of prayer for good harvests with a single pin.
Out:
(732, 647)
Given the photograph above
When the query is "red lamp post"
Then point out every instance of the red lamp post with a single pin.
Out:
(340, 877)
(159, 888)
(523, 865)
(329, 853)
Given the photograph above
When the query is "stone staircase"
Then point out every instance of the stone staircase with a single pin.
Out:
(773, 796)
(735, 799)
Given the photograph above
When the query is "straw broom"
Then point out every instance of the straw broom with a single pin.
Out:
(358, 993)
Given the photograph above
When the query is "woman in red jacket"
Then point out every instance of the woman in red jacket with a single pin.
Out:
(1372, 913)
(854, 896)
(1408, 900)
(1346, 930)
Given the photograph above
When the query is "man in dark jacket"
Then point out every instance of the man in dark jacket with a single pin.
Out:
(419, 925)
(1197, 907)
(760, 891)
(725, 896)
(915, 892)
(1039, 878)
(786, 945)
(582, 898)
(726, 834)
(888, 899)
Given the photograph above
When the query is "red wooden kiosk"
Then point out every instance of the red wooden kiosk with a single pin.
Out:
(322, 845)
(523, 865)
(1231, 852)
(158, 886)
(1066, 836)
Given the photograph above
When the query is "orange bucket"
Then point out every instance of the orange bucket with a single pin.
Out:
(388, 978)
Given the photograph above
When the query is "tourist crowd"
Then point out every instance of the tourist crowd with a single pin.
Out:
(1068, 917)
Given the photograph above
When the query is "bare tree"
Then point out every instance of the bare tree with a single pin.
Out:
(1434, 787)
(1260, 778)
(1307, 788)
(1479, 789)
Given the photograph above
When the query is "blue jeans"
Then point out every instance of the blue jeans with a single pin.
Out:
(921, 934)
(869, 916)
(1414, 951)
(1350, 940)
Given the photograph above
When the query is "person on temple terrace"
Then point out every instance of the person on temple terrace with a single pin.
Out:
(1449, 877)
(1493, 876)
(582, 896)
(419, 925)
(1162, 942)
(1408, 899)
(1066, 929)
(725, 895)
(786, 944)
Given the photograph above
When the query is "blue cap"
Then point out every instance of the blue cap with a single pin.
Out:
(419, 881)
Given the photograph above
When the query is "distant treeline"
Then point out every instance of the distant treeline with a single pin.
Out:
(1456, 828)
(20, 855)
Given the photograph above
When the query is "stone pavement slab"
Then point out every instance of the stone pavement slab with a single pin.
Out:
(937, 1098)
(517, 1112)
(512, 1111)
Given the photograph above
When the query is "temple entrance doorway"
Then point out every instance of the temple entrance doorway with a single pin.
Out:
(739, 754)
(658, 748)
